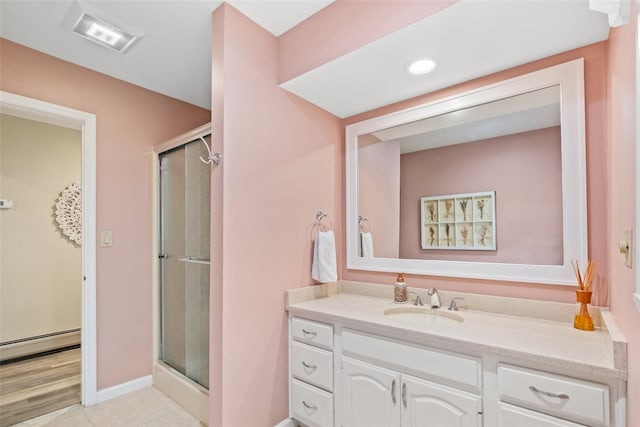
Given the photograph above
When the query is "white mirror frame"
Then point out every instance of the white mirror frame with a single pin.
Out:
(570, 77)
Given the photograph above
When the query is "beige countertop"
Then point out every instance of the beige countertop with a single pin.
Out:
(549, 337)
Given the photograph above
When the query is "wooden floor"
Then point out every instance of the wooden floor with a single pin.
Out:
(32, 387)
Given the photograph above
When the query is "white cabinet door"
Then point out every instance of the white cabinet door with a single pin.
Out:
(370, 395)
(429, 404)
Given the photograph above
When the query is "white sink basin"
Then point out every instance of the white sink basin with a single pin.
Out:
(423, 315)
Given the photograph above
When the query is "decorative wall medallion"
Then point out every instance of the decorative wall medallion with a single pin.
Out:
(69, 212)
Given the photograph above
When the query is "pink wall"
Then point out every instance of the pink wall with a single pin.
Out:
(523, 169)
(282, 163)
(379, 195)
(595, 60)
(130, 120)
(621, 199)
(344, 26)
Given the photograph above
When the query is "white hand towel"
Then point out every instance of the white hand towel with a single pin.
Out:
(324, 267)
(367, 245)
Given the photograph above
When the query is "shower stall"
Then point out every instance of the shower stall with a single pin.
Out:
(182, 368)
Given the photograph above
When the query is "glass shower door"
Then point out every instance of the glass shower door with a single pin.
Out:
(185, 198)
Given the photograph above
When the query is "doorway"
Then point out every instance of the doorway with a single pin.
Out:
(40, 308)
(85, 124)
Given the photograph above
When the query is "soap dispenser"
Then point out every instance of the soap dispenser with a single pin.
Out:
(400, 289)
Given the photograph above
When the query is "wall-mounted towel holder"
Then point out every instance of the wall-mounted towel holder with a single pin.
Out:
(319, 223)
(363, 223)
(214, 158)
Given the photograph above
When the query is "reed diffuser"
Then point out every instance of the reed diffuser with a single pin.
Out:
(583, 320)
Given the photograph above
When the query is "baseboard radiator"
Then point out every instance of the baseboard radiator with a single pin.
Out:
(39, 344)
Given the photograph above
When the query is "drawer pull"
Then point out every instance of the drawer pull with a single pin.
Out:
(306, 365)
(312, 407)
(310, 333)
(393, 391)
(548, 394)
(404, 394)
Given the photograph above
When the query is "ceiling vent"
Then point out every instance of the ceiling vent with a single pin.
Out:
(86, 23)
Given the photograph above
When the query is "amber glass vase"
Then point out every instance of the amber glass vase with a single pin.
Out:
(583, 320)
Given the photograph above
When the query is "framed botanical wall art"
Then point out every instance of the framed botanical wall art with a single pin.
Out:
(459, 221)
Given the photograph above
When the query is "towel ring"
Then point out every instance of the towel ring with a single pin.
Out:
(363, 223)
(319, 223)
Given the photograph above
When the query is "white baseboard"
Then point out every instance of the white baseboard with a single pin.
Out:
(39, 345)
(124, 388)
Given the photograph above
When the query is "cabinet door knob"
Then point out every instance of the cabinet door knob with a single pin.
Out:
(548, 394)
(310, 333)
(393, 391)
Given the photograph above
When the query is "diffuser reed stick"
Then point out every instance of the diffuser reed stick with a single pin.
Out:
(584, 282)
(583, 320)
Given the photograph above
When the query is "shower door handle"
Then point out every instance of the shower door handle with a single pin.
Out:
(194, 260)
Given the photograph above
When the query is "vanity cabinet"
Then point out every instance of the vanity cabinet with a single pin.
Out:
(311, 372)
(350, 378)
(374, 396)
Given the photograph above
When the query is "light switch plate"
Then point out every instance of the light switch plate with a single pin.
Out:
(106, 239)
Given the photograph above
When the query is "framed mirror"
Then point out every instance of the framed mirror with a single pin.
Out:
(487, 184)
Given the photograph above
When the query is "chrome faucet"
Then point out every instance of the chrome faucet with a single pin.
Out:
(435, 297)
(453, 306)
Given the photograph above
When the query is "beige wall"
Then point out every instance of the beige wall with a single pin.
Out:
(40, 268)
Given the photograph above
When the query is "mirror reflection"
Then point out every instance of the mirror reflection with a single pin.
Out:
(480, 184)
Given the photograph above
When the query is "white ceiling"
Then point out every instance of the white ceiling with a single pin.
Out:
(467, 40)
(174, 56)
(529, 111)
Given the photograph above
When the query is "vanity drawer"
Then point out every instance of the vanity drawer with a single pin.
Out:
(310, 405)
(558, 395)
(313, 333)
(443, 367)
(511, 416)
(312, 365)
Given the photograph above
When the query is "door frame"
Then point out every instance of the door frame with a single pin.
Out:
(635, 246)
(58, 115)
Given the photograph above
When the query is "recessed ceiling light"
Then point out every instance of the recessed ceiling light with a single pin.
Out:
(98, 30)
(422, 66)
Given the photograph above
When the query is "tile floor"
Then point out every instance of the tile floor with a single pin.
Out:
(147, 407)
